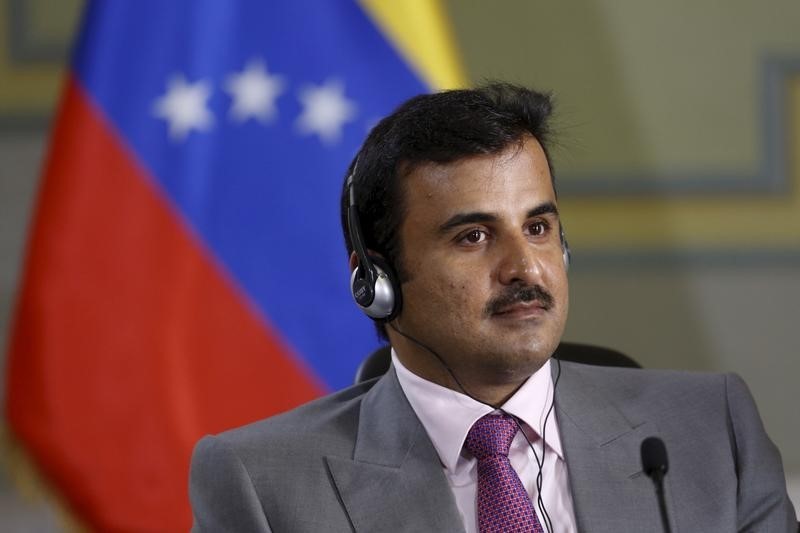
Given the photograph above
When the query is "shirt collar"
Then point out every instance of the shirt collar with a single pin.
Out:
(448, 415)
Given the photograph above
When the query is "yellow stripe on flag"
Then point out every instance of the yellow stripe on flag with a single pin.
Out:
(421, 32)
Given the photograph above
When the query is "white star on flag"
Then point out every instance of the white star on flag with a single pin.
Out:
(325, 110)
(254, 92)
(184, 107)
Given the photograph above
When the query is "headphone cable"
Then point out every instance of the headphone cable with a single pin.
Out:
(540, 464)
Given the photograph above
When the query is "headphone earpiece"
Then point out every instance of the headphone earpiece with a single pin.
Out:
(382, 300)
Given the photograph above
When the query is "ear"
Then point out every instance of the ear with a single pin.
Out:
(354, 258)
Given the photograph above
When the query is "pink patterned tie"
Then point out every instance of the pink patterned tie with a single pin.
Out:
(503, 504)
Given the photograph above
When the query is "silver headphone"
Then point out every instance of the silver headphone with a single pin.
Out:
(373, 284)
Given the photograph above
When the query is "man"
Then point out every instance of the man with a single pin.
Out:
(455, 241)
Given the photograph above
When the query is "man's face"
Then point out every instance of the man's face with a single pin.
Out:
(487, 286)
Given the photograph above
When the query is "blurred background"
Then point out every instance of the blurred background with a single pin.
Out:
(677, 163)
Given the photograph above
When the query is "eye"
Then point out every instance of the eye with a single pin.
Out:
(539, 227)
(473, 236)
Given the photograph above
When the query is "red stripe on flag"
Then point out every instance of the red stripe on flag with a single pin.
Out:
(129, 342)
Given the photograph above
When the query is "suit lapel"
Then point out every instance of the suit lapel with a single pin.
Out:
(602, 452)
(395, 480)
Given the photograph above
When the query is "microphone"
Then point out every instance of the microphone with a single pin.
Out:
(655, 465)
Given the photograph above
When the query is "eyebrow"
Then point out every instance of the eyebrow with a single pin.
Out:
(461, 219)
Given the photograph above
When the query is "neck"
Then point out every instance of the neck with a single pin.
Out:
(492, 394)
(482, 385)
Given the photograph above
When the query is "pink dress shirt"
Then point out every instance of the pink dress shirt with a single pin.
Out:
(448, 415)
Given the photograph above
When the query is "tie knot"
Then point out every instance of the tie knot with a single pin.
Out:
(491, 435)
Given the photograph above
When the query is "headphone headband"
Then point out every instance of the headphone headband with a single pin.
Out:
(372, 283)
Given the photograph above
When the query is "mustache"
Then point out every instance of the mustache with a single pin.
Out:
(515, 294)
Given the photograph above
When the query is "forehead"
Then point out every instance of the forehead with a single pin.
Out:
(518, 176)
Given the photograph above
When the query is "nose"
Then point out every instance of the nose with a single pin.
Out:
(520, 262)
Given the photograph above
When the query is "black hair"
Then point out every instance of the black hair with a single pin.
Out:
(434, 128)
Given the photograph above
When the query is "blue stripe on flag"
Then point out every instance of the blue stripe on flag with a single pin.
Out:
(261, 188)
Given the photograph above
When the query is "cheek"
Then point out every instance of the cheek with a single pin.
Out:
(556, 281)
(559, 278)
(451, 293)
(464, 299)
(450, 289)
(560, 289)
(452, 299)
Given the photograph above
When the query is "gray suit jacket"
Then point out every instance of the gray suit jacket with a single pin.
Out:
(360, 460)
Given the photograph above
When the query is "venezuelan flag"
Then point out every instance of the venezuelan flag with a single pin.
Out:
(185, 270)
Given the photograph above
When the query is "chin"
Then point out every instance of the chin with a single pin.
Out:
(519, 364)
(537, 347)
